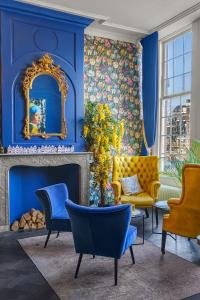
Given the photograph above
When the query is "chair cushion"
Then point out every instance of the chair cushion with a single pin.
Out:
(130, 238)
(130, 185)
(140, 200)
(60, 213)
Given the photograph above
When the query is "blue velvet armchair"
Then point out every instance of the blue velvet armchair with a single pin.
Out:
(102, 231)
(52, 199)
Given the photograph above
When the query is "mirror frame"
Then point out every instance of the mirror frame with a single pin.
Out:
(45, 66)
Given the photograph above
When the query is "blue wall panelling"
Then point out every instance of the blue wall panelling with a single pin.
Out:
(27, 33)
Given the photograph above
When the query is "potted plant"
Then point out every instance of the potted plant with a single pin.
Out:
(192, 156)
(101, 132)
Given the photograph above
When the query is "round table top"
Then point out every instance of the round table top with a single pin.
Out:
(137, 213)
(162, 204)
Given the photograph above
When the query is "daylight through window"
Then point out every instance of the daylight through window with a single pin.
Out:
(176, 98)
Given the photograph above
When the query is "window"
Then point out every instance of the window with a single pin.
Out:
(176, 96)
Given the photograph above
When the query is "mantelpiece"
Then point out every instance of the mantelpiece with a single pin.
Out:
(7, 161)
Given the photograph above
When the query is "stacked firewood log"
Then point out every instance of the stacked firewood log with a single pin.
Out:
(31, 220)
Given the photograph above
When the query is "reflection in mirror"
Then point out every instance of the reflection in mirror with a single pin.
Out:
(45, 105)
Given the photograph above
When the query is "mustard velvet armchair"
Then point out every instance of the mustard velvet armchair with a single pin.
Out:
(147, 170)
(184, 216)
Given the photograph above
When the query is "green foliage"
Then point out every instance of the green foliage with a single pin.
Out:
(192, 156)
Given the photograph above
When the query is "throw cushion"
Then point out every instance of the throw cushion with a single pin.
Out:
(130, 185)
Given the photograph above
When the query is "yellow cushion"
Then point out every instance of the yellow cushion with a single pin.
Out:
(140, 200)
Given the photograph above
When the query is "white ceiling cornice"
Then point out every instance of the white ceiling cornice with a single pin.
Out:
(65, 9)
(125, 37)
(177, 18)
(126, 28)
(104, 26)
(108, 29)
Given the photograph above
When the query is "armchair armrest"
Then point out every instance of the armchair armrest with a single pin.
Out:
(116, 185)
(153, 190)
(173, 201)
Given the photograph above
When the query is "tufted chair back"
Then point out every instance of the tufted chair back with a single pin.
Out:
(146, 168)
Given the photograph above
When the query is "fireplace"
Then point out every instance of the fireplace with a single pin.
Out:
(21, 175)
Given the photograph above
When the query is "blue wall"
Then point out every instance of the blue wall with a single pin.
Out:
(27, 33)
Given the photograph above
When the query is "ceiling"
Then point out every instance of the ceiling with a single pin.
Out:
(134, 17)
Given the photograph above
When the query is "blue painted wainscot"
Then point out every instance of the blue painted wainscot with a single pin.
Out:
(27, 33)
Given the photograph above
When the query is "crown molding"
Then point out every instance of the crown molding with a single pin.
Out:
(24, 7)
(102, 27)
(169, 34)
(124, 37)
(126, 28)
(177, 18)
(62, 8)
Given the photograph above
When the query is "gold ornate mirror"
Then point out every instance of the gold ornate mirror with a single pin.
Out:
(45, 89)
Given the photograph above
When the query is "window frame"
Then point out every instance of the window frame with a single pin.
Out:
(162, 78)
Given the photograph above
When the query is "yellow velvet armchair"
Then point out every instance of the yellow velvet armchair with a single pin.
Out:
(147, 170)
(184, 216)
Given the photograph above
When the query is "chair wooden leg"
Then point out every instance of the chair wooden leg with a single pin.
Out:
(164, 236)
(116, 269)
(132, 255)
(47, 239)
(147, 212)
(78, 265)
(58, 234)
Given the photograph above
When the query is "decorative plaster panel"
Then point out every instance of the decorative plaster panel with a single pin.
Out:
(27, 33)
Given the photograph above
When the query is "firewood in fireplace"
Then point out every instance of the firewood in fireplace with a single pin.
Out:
(27, 216)
(22, 222)
(15, 226)
(31, 220)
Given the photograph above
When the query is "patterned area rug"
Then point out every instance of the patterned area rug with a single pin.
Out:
(153, 276)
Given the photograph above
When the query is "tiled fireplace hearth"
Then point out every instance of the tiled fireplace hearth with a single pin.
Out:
(20, 175)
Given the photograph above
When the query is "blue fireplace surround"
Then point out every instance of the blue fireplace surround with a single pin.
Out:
(25, 180)
(27, 33)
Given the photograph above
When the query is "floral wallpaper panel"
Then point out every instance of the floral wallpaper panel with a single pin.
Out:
(112, 75)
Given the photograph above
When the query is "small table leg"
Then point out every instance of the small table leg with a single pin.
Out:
(143, 230)
(142, 233)
(156, 211)
(154, 232)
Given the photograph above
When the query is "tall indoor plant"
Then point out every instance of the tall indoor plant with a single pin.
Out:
(192, 156)
(101, 132)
